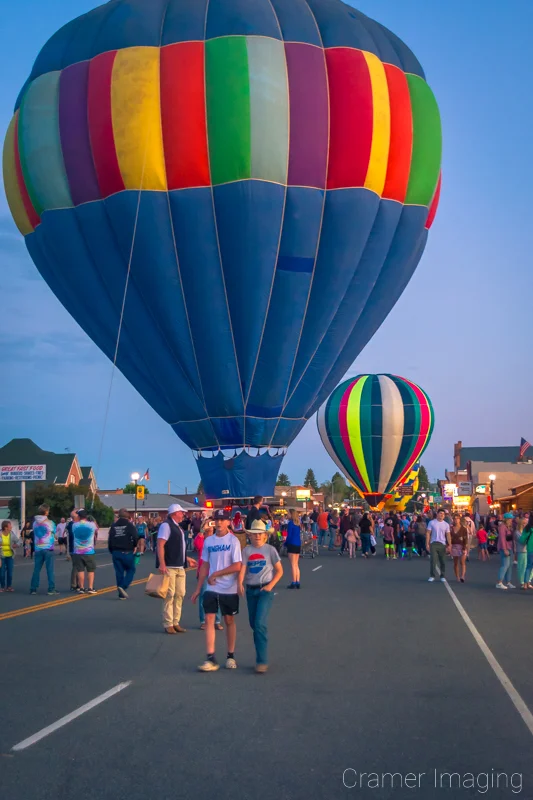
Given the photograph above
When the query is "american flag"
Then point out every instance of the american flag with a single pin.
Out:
(523, 447)
(146, 476)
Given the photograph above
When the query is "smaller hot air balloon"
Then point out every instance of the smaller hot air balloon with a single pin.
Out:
(398, 501)
(375, 428)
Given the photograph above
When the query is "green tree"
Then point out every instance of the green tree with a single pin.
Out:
(423, 479)
(340, 487)
(310, 480)
(61, 499)
(200, 489)
(283, 480)
(130, 488)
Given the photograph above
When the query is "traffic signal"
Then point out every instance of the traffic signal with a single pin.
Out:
(140, 492)
(209, 504)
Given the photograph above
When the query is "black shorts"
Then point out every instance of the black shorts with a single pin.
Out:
(228, 604)
(84, 562)
(62, 540)
(294, 548)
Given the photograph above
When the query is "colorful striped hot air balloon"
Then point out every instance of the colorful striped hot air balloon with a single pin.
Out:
(375, 428)
(260, 174)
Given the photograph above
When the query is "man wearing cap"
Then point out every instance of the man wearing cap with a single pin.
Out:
(172, 561)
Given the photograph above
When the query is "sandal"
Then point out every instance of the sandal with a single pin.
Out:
(219, 627)
(202, 626)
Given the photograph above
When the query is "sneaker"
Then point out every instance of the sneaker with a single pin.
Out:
(121, 598)
(443, 580)
(261, 668)
(92, 591)
(54, 591)
(511, 586)
(430, 580)
(501, 586)
(231, 663)
(298, 585)
(80, 591)
(291, 585)
(33, 592)
(122, 593)
(209, 666)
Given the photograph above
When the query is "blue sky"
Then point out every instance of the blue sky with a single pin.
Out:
(461, 329)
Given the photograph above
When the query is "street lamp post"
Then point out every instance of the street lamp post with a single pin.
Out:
(135, 478)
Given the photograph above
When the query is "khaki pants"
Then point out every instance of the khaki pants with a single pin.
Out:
(174, 599)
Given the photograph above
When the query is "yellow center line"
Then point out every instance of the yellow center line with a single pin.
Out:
(53, 603)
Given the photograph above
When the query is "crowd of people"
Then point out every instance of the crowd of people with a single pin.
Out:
(236, 554)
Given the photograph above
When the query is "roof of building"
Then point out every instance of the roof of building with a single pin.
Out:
(86, 472)
(151, 502)
(503, 455)
(24, 451)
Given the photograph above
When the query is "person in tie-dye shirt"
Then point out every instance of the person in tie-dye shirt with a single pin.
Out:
(84, 533)
(44, 535)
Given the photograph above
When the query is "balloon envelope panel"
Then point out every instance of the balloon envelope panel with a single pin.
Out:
(265, 171)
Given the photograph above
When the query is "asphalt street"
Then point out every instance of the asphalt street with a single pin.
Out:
(373, 671)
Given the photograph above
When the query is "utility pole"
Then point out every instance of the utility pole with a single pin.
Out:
(169, 487)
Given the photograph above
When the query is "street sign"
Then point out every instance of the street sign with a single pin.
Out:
(464, 488)
(140, 492)
(437, 498)
(23, 472)
(405, 491)
(481, 488)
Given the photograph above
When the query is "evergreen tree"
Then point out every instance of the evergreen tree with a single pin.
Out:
(283, 480)
(310, 480)
(423, 480)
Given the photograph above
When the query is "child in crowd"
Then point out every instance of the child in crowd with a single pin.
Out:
(482, 550)
(352, 537)
(260, 572)
(388, 539)
(221, 564)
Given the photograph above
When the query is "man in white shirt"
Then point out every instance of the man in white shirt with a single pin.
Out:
(438, 540)
(221, 564)
(62, 537)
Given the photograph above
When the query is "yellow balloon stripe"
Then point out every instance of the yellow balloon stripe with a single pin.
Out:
(136, 114)
(381, 128)
(354, 429)
(13, 194)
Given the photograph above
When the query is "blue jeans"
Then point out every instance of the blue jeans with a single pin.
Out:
(506, 567)
(365, 543)
(124, 564)
(6, 571)
(332, 534)
(218, 617)
(322, 533)
(45, 557)
(259, 605)
(314, 529)
(529, 568)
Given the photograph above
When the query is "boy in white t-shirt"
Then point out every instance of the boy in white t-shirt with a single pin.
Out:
(221, 564)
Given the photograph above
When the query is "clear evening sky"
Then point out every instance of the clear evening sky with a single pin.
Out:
(461, 329)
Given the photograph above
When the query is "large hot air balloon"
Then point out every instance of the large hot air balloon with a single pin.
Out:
(375, 428)
(229, 196)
